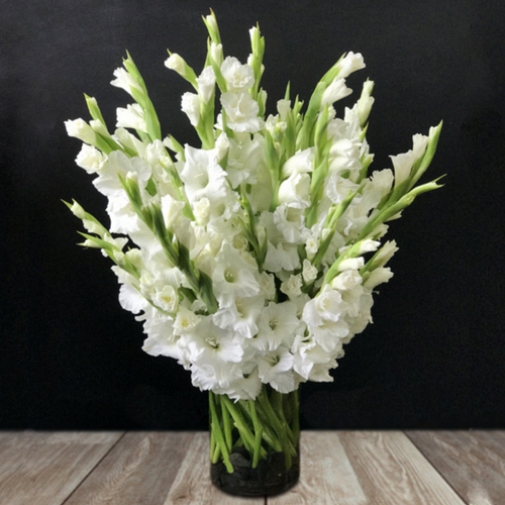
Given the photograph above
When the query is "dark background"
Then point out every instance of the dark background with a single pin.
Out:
(70, 357)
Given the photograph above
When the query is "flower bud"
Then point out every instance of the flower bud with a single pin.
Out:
(368, 245)
(378, 276)
(81, 130)
(309, 271)
(175, 62)
(335, 91)
(206, 84)
(91, 159)
(216, 53)
(190, 104)
(351, 264)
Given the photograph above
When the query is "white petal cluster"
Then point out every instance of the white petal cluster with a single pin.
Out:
(252, 259)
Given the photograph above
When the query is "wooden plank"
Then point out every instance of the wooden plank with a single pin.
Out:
(192, 484)
(138, 470)
(44, 468)
(326, 475)
(365, 468)
(473, 462)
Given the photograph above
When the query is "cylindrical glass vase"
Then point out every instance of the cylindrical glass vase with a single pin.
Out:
(254, 444)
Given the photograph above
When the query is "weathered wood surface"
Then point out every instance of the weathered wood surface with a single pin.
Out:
(192, 484)
(365, 468)
(44, 468)
(473, 462)
(172, 468)
(139, 470)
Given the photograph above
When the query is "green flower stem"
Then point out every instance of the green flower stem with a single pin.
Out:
(295, 416)
(280, 429)
(263, 426)
(218, 434)
(215, 454)
(268, 434)
(227, 428)
(240, 424)
(278, 403)
(273, 419)
(258, 431)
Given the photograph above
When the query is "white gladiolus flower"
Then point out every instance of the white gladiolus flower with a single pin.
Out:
(290, 222)
(292, 287)
(335, 91)
(346, 280)
(309, 272)
(108, 182)
(241, 112)
(241, 316)
(214, 354)
(419, 145)
(351, 63)
(222, 146)
(131, 300)
(167, 299)
(301, 162)
(337, 189)
(267, 286)
(206, 84)
(190, 105)
(81, 130)
(295, 191)
(201, 210)
(381, 182)
(131, 117)
(238, 77)
(185, 321)
(233, 277)
(130, 141)
(202, 175)
(402, 164)
(91, 159)
(244, 158)
(275, 369)
(212, 345)
(328, 305)
(277, 324)
(125, 81)
(311, 361)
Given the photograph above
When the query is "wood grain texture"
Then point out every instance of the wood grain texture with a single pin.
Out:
(44, 468)
(365, 468)
(327, 477)
(473, 462)
(192, 485)
(138, 470)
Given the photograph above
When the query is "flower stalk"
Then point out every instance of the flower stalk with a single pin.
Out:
(268, 424)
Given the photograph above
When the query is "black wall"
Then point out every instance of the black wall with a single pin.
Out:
(70, 357)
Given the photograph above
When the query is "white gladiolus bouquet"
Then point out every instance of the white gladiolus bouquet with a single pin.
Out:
(253, 258)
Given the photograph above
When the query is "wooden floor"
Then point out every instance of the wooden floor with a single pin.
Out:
(338, 468)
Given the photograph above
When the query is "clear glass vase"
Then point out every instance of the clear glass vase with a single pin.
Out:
(254, 444)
